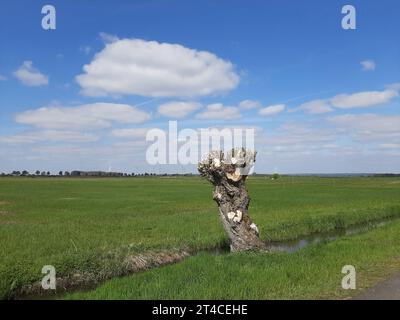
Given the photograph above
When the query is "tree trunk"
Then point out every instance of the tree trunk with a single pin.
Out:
(228, 174)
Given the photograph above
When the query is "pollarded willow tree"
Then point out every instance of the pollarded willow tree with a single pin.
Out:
(228, 173)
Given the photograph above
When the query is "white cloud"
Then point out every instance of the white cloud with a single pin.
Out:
(257, 129)
(30, 76)
(390, 145)
(108, 38)
(249, 104)
(369, 128)
(316, 107)
(368, 65)
(89, 116)
(150, 68)
(296, 138)
(217, 111)
(178, 109)
(367, 122)
(272, 110)
(48, 135)
(2, 78)
(85, 49)
(139, 145)
(394, 86)
(347, 101)
(135, 133)
(363, 99)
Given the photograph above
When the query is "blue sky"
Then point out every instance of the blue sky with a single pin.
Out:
(323, 99)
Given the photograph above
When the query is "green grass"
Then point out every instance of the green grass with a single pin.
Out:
(87, 225)
(311, 273)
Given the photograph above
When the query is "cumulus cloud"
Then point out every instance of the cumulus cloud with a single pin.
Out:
(363, 99)
(368, 65)
(390, 145)
(108, 38)
(30, 76)
(297, 138)
(249, 104)
(257, 129)
(153, 69)
(272, 110)
(178, 109)
(217, 111)
(316, 107)
(48, 135)
(367, 122)
(89, 116)
(369, 127)
(135, 133)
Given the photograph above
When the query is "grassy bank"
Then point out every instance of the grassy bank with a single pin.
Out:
(88, 225)
(312, 273)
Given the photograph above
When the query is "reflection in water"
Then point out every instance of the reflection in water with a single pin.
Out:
(291, 246)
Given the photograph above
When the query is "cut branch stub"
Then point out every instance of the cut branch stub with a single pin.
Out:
(228, 173)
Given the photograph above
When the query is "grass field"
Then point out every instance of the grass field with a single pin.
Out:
(311, 273)
(89, 225)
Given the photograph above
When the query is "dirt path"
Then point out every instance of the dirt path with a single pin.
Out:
(388, 289)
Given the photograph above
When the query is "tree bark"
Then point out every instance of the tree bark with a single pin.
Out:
(228, 174)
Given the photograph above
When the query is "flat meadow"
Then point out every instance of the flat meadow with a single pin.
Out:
(89, 226)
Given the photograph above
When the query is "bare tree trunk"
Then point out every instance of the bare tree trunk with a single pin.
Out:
(228, 174)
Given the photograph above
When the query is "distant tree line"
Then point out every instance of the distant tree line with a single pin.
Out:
(78, 173)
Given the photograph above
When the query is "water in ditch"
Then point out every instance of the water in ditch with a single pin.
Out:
(290, 246)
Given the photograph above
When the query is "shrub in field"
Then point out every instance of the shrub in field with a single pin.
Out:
(275, 176)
